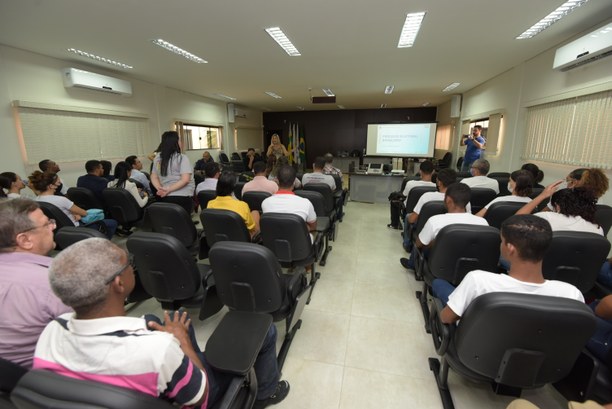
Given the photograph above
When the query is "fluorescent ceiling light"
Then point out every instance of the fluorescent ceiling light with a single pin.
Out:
(410, 29)
(553, 17)
(300, 108)
(273, 94)
(340, 106)
(328, 92)
(226, 97)
(425, 104)
(101, 59)
(383, 105)
(177, 50)
(277, 34)
(451, 87)
(389, 89)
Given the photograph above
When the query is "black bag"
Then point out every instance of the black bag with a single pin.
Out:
(396, 202)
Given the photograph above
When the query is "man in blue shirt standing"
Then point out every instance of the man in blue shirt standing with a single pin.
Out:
(475, 145)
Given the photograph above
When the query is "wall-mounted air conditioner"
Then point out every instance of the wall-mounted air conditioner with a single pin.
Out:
(584, 50)
(74, 77)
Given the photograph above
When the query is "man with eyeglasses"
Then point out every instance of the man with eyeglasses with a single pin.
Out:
(27, 303)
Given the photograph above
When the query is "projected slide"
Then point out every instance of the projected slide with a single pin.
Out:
(414, 140)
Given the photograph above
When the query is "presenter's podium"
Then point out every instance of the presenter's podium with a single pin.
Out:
(370, 188)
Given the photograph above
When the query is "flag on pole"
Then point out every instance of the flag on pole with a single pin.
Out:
(301, 147)
(296, 140)
(290, 145)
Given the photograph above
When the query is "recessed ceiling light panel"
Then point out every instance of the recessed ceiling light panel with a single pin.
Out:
(98, 58)
(277, 34)
(451, 86)
(410, 29)
(226, 97)
(389, 89)
(553, 17)
(179, 51)
(273, 95)
(328, 92)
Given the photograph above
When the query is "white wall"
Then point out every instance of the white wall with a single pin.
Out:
(32, 77)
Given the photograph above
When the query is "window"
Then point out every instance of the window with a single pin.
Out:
(200, 136)
(576, 131)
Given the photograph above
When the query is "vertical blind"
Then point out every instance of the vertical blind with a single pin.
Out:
(576, 131)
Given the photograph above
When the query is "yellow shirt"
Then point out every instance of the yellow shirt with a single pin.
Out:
(235, 205)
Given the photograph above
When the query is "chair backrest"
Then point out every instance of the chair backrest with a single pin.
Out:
(415, 194)
(237, 165)
(481, 197)
(205, 196)
(69, 235)
(523, 340)
(288, 238)
(222, 225)
(327, 193)
(338, 181)
(166, 269)
(461, 248)
(172, 219)
(502, 179)
(603, 217)
(576, 258)
(84, 198)
(122, 205)
(500, 211)
(446, 160)
(254, 199)
(316, 198)
(53, 212)
(238, 188)
(247, 276)
(10, 374)
(44, 389)
(429, 209)
(223, 159)
(236, 156)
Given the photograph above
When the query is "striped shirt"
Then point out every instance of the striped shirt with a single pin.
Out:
(120, 351)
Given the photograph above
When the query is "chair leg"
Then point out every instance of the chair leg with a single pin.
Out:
(422, 296)
(284, 349)
(314, 277)
(327, 249)
(441, 375)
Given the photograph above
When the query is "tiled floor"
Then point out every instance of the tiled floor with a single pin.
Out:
(362, 342)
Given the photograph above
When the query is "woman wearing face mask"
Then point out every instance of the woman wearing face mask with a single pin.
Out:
(13, 184)
(519, 185)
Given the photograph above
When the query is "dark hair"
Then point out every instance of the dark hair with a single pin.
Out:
(447, 176)
(226, 183)
(92, 165)
(107, 167)
(523, 182)
(251, 149)
(576, 202)
(540, 176)
(167, 148)
(482, 165)
(596, 181)
(211, 169)
(44, 164)
(5, 183)
(460, 193)
(286, 176)
(270, 164)
(121, 174)
(478, 127)
(41, 180)
(577, 173)
(11, 177)
(531, 168)
(427, 167)
(319, 162)
(14, 219)
(329, 158)
(529, 234)
(130, 160)
(259, 167)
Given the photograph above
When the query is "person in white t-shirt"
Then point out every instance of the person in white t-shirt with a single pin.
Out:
(427, 169)
(524, 241)
(456, 198)
(519, 185)
(479, 170)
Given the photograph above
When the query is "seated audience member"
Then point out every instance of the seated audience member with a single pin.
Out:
(45, 185)
(99, 343)
(107, 168)
(122, 180)
(13, 185)
(329, 168)
(225, 200)
(279, 163)
(200, 164)
(285, 201)
(594, 180)
(260, 182)
(271, 167)
(605, 274)
(427, 169)
(47, 165)
(574, 209)
(27, 303)
(456, 199)
(93, 180)
(317, 175)
(524, 241)
(137, 174)
(574, 177)
(250, 159)
(212, 172)
(479, 170)
(519, 186)
(536, 174)
(600, 343)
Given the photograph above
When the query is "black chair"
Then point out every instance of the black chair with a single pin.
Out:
(238, 189)
(61, 220)
(205, 196)
(576, 258)
(173, 220)
(123, 207)
(445, 162)
(220, 225)
(288, 238)
(322, 245)
(69, 235)
(10, 374)
(249, 278)
(513, 341)
(480, 198)
(224, 160)
(457, 250)
(590, 378)
(237, 165)
(84, 198)
(429, 209)
(534, 193)
(331, 205)
(500, 211)
(603, 217)
(236, 156)
(169, 273)
(414, 195)
(502, 179)
(254, 199)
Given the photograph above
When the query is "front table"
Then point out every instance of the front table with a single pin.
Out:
(373, 188)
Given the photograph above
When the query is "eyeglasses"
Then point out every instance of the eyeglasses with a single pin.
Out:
(51, 222)
(130, 263)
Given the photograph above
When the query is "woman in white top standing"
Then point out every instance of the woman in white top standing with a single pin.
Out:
(122, 174)
(172, 173)
(13, 184)
(519, 185)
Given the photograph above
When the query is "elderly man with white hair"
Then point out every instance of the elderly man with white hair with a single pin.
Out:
(98, 342)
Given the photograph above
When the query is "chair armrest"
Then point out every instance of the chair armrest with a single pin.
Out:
(294, 281)
(440, 332)
(234, 345)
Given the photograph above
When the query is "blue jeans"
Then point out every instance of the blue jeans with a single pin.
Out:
(600, 343)
(442, 289)
(466, 165)
(406, 234)
(605, 274)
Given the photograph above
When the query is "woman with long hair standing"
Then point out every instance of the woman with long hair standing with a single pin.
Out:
(172, 173)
